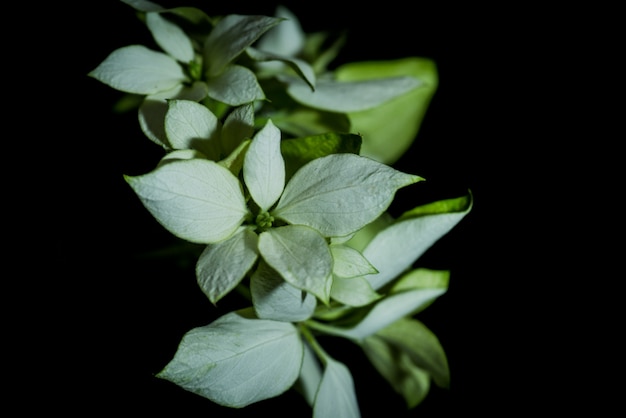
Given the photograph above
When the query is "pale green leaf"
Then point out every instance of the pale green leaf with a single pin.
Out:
(153, 109)
(388, 310)
(310, 375)
(301, 67)
(274, 298)
(349, 262)
(336, 396)
(385, 141)
(340, 193)
(140, 70)
(264, 167)
(231, 36)
(349, 287)
(236, 361)
(301, 256)
(152, 120)
(396, 367)
(191, 125)
(238, 126)
(170, 37)
(286, 38)
(235, 86)
(397, 247)
(361, 238)
(222, 266)
(422, 278)
(353, 291)
(422, 346)
(197, 200)
(354, 96)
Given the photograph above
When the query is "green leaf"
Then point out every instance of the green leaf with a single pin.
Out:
(299, 151)
(361, 238)
(238, 126)
(301, 256)
(353, 291)
(170, 37)
(154, 107)
(304, 122)
(340, 193)
(397, 247)
(234, 162)
(422, 278)
(388, 310)
(349, 287)
(384, 141)
(236, 361)
(190, 125)
(235, 86)
(144, 5)
(222, 266)
(301, 67)
(286, 38)
(137, 69)
(422, 346)
(231, 36)
(196, 200)
(336, 396)
(349, 262)
(461, 204)
(396, 367)
(274, 298)
(354, 96)
(264, 167)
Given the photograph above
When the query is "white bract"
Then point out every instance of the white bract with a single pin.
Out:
(289, 226)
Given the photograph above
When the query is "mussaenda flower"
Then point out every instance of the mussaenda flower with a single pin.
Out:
(288, 225)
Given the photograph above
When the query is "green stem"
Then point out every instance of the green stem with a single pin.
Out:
(310, 338)
(326, 329)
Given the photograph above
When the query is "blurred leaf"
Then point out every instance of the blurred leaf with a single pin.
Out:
(396, 367)
(390, 128)
(336, 396)
(421, 345)
(299, 151)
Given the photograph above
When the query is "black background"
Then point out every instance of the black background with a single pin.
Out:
(120, 316)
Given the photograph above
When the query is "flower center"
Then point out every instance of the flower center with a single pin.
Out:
(264, 220)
